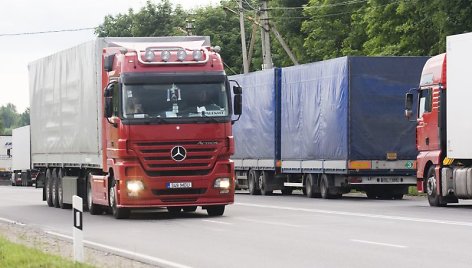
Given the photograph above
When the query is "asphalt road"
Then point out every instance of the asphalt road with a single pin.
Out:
(271, 231)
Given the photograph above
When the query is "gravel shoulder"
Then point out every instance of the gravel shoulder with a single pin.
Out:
(36, 238)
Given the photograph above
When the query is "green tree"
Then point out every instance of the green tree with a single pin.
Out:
(151, 20)
(329, 28)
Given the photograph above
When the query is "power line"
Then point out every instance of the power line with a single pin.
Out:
(46, 32)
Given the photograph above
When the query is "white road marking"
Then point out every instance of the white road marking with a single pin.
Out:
(218, 222)
(378, 243)
(12, 221)
(270, 222)
(127, 253)
(364, 215)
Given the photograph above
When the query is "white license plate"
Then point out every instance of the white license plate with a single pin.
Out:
(172, 185)
(390, 179)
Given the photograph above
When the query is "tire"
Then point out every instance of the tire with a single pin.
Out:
(252, 179)
(92, 208)
(118, 213)
(215, 210)
(264, 181)
(324, 187)
(190, 209)
(60, 191)
(311, 186)
(48, 188)
(431, 189)
(54, 191)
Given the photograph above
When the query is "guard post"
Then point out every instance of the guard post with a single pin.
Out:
(77, 229)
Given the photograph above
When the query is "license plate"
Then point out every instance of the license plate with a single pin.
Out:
(172, 185)
(390, 179)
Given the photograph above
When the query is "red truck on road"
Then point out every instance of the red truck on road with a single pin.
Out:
(123, 123)
(443, 129)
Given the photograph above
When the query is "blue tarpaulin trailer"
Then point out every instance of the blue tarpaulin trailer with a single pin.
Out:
(328, 127)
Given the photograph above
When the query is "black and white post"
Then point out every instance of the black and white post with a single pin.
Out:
(77, 229)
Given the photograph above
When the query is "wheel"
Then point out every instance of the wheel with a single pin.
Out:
(174, 210)
(431, 188)
(264, 180)
(92, 208)
(118, 213)
(215, 210)
(310, 186)
(48, 188)
(325, 189)
(54, 190)
(190, 209)
(253, 178)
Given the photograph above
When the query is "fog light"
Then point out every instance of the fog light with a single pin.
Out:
(197, 55)
(222, 183)
(134, 186)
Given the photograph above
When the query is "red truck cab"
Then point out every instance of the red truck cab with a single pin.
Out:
(166, 129)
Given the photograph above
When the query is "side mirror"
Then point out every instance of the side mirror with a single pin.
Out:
(408, 105)
(108, 94)
(238, 104)
(237, 90)
(108, 62)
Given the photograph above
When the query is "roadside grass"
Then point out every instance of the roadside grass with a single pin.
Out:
(15, 255)
(412, 190)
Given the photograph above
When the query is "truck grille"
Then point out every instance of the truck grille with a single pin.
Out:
(157, 160)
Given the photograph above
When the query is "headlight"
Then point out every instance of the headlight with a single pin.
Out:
(181, 55)
(134, 186)
(222, 183)
(149, 55)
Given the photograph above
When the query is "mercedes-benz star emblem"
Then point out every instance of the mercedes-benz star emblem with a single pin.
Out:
(178, 153)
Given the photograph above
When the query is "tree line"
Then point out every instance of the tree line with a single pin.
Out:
(11, 119)
(314, 29)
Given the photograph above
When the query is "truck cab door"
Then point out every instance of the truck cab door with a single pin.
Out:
(427, 135)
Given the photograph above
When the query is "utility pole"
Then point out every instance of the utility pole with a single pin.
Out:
(265, 37)
(243, 38)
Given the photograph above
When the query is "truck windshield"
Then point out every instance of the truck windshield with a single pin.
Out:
(188, 100)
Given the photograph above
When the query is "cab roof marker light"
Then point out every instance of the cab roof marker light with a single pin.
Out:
(149, 55)
(165, 55)
(181, 55)
(141, 56)
(197, 55)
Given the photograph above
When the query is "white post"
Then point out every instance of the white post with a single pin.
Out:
(77, 229)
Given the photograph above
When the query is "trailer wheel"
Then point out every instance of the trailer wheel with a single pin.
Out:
(54, 190)
(324, 187)
(310, 186)
(48, 188)
(215, 210)
(252, 179)
(118, 213)
(92, 208)
(431, 188)
(264, 181)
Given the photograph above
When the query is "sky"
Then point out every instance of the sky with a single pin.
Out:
(26, 16)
